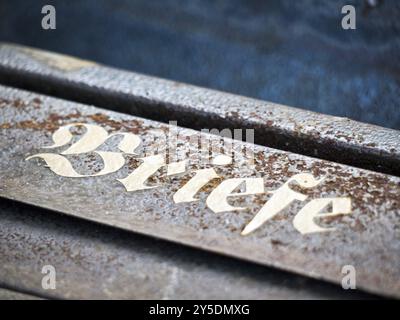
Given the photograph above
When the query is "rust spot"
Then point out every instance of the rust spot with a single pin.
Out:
(18, 103)
(4, 102)
(127, 125)
(277, 242)
(5, 126)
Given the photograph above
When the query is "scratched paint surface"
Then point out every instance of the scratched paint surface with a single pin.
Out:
(368, 238)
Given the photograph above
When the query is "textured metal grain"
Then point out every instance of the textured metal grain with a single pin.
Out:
(286, 128)
(6, 294)
(99, 262)
(368, 238)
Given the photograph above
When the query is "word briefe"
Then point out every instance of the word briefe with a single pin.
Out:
(217, 200)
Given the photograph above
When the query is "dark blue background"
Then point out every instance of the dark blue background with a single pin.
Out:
(290, 52)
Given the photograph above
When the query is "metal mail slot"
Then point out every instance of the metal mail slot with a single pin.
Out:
(275, 208)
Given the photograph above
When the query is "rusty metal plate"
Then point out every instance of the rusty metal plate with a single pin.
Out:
(93, 261)
(326, 137)
(366, 233)
(6, 294)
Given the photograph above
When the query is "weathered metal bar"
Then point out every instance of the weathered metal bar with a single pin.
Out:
(333, 138)
(98, 262)
(186, 202)
(6, 294)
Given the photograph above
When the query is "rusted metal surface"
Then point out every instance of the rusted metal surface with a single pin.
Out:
(286, 128)
(6, 294)
(368, 238)
(98, 262)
